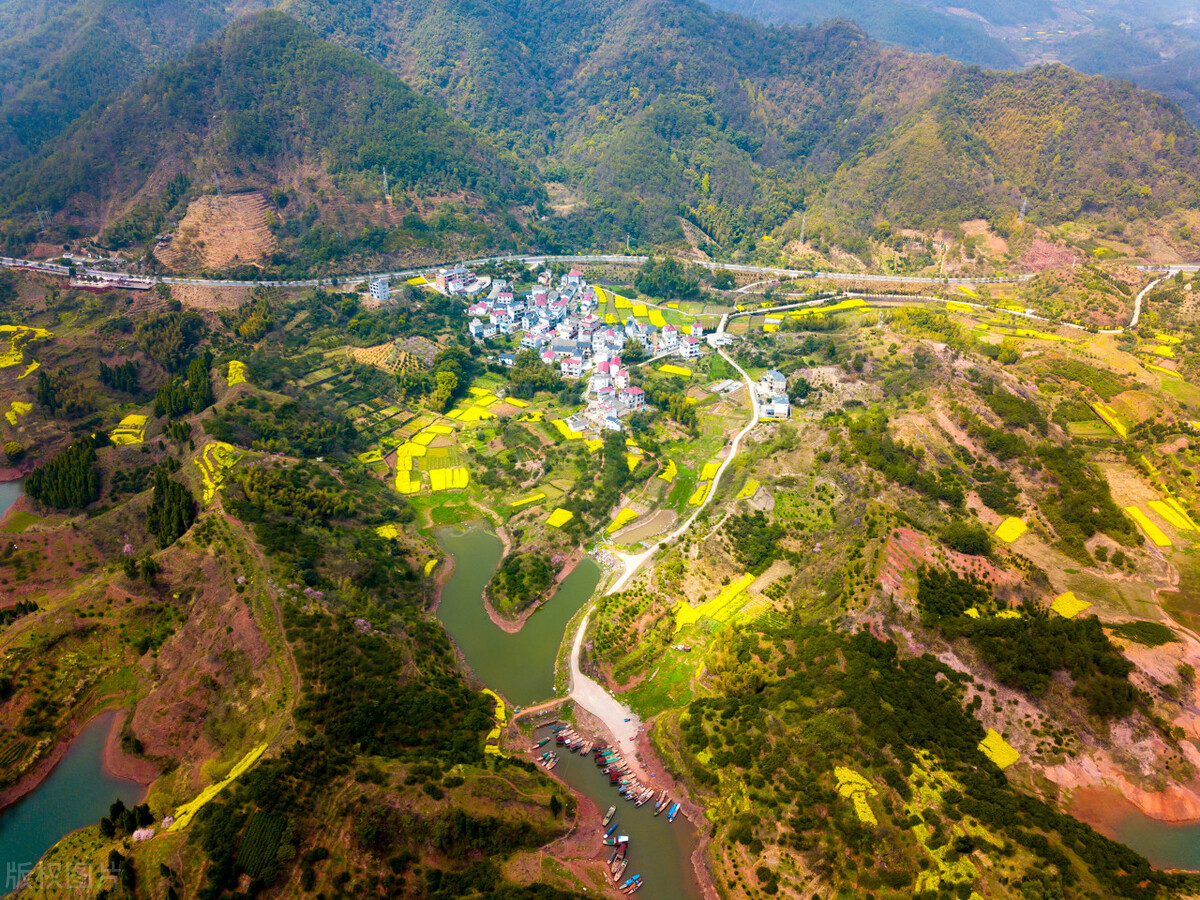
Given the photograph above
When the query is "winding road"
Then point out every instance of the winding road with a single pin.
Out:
(621, 721)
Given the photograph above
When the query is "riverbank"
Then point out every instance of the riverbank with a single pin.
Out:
(115, 764)
(1172, 845)
(119, 764)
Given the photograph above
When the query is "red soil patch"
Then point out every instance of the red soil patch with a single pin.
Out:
(907, 550)
(213, 658)
(1044, 255)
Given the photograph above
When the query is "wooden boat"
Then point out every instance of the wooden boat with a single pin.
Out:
(612, 856)
(608, 815)
(542, 743)
(553, 762)
(610, 842)
(660, 803)
(620, 858)
(673, 813)
(621, 866)
(635, 887)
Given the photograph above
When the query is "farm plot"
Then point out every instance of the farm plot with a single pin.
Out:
(214, 463)
(19, 337)
(721, 608)
(17, 409)
(130, 430)
(185, 813)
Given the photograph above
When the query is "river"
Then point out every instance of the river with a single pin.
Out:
(521, 667)
(77, 793)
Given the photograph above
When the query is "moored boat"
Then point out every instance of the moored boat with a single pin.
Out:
(673, 813)
(611, 828)
(621, 866)
(608, 816)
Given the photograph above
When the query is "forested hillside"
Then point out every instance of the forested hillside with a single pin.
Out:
(269, 106)
(58, 58)
(644, 108)
(632, 114)
(1150, 42)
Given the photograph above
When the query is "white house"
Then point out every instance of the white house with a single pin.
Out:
(772, 383)
(777, 408)
(572, 367)
(670, 337)
(475, 329)
(381, 289)
(508, 360)
(689, 347)
(633, 397)
(574, 278)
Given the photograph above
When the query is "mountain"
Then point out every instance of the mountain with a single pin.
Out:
(634, 115)
(1151, 43)
(59, 57)
(639, 111)
(268, 107)
(906, 23)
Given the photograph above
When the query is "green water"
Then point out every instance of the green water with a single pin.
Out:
(10, 492)
(77, 793)
(659, 850)
(521, 667)
(1167, 845)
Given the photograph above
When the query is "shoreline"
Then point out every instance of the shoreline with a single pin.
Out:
(111, 762)
(116, 763)
(509, 626)
(645, 760)
(513, 626)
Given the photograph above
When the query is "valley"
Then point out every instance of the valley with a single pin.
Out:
(522, 452)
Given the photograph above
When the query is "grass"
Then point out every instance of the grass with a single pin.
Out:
(1148, 634)
(668, 687)
(19, 521)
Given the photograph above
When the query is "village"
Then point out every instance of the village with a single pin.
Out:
(563, 323)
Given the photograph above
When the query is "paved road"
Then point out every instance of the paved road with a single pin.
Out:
(587, 692)
(1137, 304)
(57, 269)
(592, 696)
